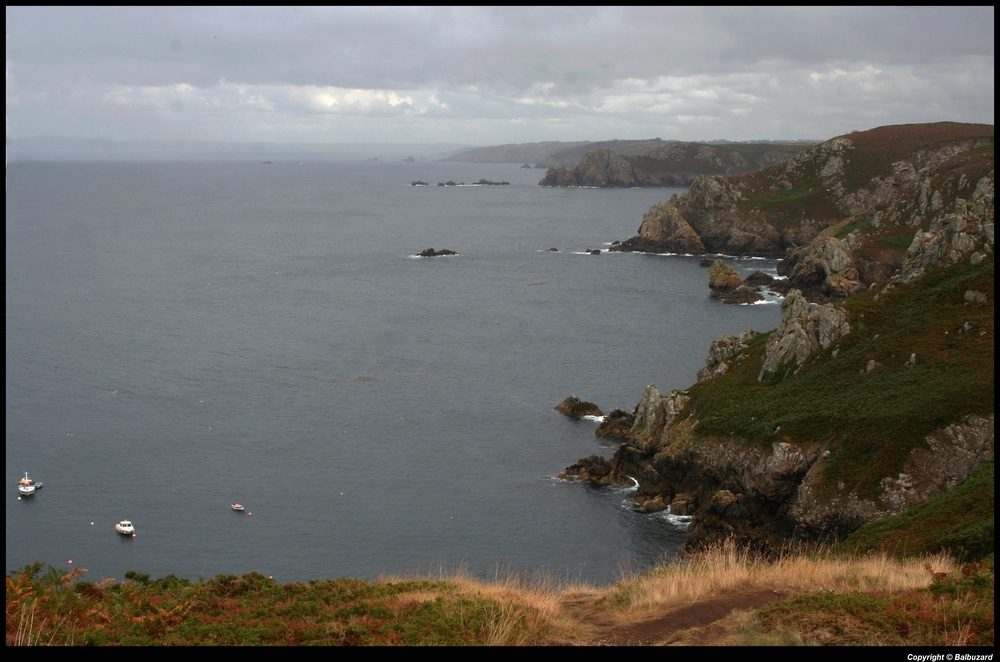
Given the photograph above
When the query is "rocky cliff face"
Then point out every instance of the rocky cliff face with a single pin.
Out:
(772, 492)
(839, 214)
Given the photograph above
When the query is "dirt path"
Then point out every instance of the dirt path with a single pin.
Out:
(598, 627)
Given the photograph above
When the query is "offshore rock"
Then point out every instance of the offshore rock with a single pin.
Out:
(574, 407)
(430, 252)
(722, 278)
(724, 283)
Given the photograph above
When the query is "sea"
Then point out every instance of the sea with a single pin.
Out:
(184, 335)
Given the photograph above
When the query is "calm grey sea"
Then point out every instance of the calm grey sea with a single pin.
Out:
(181, 336)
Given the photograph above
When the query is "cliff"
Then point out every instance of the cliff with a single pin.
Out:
(840, 215)
(856, 408)
(670, 164)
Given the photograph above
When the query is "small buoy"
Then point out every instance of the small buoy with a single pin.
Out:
(92, 524)
(133, 535)
(70, 562)
(249, 514)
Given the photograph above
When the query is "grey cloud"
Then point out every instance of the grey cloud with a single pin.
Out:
(521, 66)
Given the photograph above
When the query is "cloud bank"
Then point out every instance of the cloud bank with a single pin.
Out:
(492, 75)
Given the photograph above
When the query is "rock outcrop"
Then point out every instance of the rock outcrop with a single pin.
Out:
(804, 329)
(574, 407)
(839, 214)
(725, 283)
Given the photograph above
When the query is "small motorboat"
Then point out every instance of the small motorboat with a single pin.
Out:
(125, 528)
(27, 486)
(238, 507)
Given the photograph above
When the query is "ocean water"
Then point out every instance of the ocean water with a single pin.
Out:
(182, 336)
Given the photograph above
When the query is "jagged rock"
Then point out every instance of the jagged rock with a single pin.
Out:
(966, 232)
(602, 167)
(722, 278)
(804, 328)
(721, 351)
(663, 230)
(616, 425)
(595, 470)
(654, 413)
(823, 270)
(950, 455)
(574, 407)
(725, 283)
(743, 294)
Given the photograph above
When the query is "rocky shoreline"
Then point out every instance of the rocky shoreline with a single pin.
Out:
(768, 494)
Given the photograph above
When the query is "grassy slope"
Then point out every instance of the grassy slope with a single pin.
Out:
(870, 419)
(872, 155)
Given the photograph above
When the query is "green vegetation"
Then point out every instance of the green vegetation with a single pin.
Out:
(959, 523)
(865, 398)
(956, 610)
(45, 607)
(875, 151)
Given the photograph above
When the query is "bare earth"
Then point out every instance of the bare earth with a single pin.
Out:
(598, 627)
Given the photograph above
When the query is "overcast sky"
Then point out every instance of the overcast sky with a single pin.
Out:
(492, 75)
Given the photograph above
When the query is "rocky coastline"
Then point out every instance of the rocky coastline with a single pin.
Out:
(768, 494)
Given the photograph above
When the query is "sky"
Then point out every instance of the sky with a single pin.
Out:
(492, 75)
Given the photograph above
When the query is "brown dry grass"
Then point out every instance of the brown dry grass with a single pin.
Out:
(707, 599)
(713, 598)
(727, 568)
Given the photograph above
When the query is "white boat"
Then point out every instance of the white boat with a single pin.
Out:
(26, 486)
(238, 507)
(125, 528)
